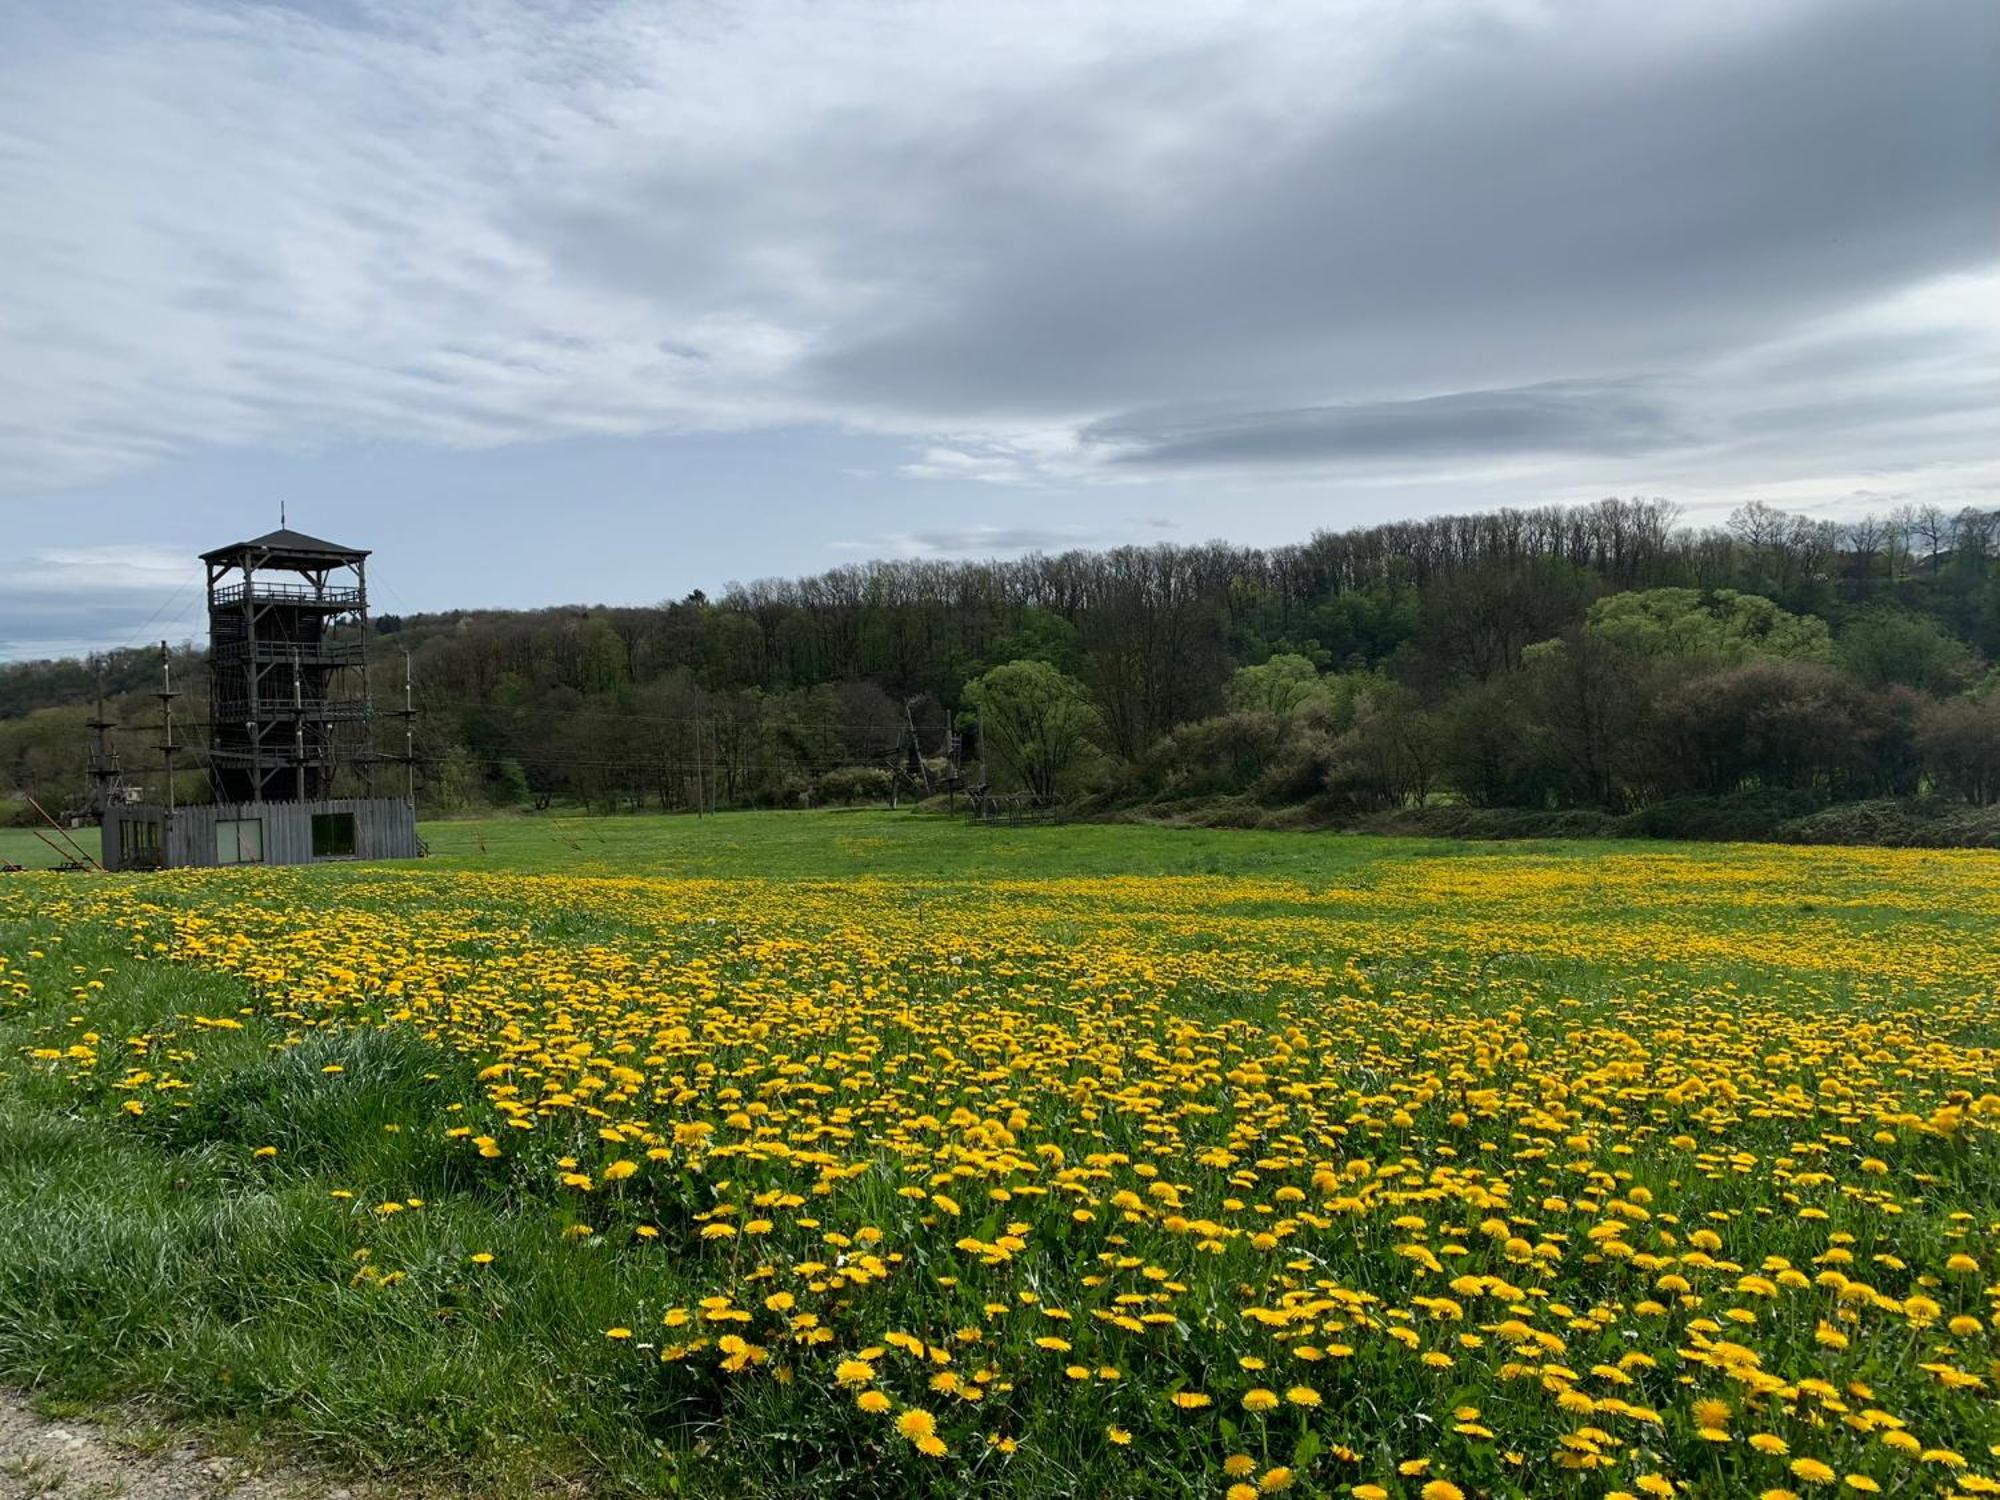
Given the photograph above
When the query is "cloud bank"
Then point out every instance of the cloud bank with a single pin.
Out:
(1040, 243)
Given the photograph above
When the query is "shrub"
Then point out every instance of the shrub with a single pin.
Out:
(855, 784)
(1224, 756)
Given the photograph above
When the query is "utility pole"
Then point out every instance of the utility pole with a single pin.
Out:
(409, 732)
(253, 724)
(298, 730)
(104, 761)
(705, 768)
(367, 695)
(166, 695)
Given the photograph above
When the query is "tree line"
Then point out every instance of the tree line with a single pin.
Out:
(1603, 656)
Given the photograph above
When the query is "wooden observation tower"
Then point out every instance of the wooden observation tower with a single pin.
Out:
(291, 753)
(288, 666)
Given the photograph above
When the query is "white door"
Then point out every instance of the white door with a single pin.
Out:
(239, 841)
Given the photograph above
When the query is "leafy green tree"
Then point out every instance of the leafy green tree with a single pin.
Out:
(455, 785)
(1389, 755)
(1036, 721)
(1587, 702)
(601, 656)
(510, 784)
(1881, 646)
(1492, 751)
(45, 755)
(1960, 740)
(1723, 627)
(1039, 635)
(1278, 687)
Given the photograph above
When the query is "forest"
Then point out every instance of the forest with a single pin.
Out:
(1572, 663)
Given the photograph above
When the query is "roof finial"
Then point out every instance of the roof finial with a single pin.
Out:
(281, 515)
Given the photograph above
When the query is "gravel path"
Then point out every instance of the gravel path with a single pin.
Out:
(42, 1458)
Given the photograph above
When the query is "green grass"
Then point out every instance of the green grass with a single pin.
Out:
(159, 1265)
(156, 1265)
(831, 845)
(158, 1259)
(19, 846)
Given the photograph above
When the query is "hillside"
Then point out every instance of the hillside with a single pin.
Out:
(1601, 658)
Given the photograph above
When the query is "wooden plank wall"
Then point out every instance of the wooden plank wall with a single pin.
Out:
(384, 828)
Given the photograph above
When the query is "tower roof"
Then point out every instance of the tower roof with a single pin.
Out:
(286, 547)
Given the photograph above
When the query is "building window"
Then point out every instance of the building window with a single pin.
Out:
(138, 843)
(239, 841)
(333, 835)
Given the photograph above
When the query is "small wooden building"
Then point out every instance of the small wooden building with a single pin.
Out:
(141, 837)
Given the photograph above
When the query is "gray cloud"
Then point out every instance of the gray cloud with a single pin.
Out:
(1584, 245)
(975, 541)
(77, 627)
(1002, 538)
(65, 601)
(1508, 207)
(1610, 418)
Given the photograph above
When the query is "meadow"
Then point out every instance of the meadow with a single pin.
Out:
(876, 1154)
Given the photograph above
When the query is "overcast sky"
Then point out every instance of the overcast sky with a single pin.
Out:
(581, 300)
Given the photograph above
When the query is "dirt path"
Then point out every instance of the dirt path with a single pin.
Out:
(43, 1458)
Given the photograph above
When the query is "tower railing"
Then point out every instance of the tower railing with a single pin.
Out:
(288, 708)
(287, 593)
(320, 653)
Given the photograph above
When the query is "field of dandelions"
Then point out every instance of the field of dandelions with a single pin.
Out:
(1415, 1171)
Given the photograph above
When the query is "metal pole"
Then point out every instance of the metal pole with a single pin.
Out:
(167, 720)
(367, 692)
(298, 730)
(253, 705)
(104, 771)
(409, 733)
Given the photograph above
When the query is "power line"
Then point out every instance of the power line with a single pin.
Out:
(145, 631)
(765, 763)
(428, 701)
(895, 726)
(802, 750)
(880, 726)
